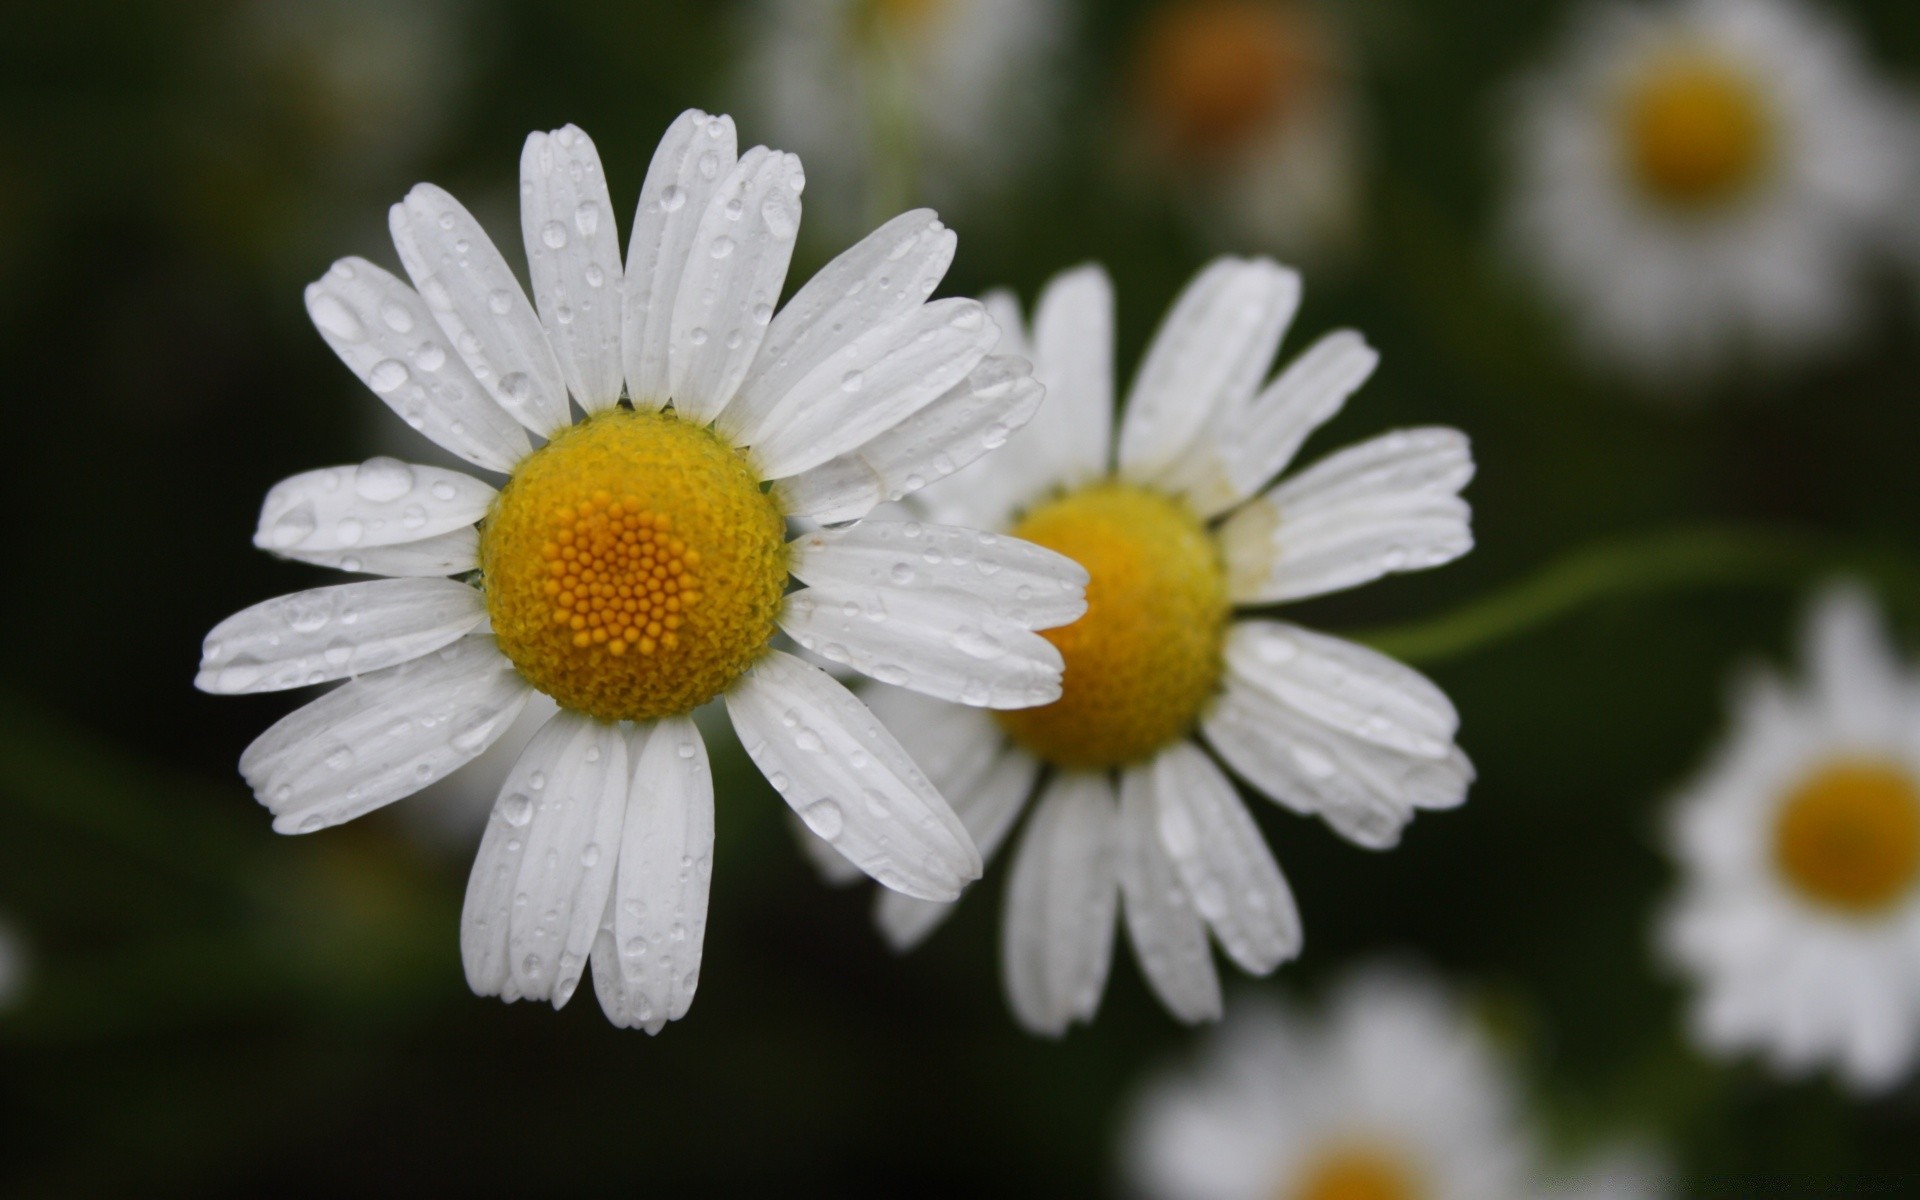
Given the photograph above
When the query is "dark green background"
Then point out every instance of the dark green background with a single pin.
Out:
(217, 1009)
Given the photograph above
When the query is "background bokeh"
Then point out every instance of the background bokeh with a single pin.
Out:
(205, 1006)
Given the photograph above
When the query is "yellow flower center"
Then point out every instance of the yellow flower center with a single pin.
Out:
(1146, 657)
(1355, 1174)
(1849, 836)
(1214, 72)
(1697, 132)
(633, 566)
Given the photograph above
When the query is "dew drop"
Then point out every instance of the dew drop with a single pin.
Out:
(586, 218)
(382, 479)
(554, 234)
(387, 374)
(516, 809)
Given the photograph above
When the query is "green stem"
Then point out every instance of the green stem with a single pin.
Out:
(1637, 565)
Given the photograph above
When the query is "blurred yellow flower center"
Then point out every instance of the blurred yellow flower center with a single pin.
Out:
(1214, 72)
(1354, 1174)
(633, 566)
(1146, 657)
(1849, 837)
(1697, 132)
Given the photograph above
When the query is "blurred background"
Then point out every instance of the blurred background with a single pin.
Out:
(192, 1003)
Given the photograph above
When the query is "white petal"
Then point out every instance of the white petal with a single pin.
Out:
(369, 742)
(1003, 307)
(573, 258)
(954, 745)
(646, 961)
(1855, 670)
(848, 778)
(330, 633)
(381, 502)
(873, 384)
(1209, 356)
(1021, 583)
(696, 153)
(1330, 759)
(735, 267)
(452, 553)
(987, 808)
(1070, 438)
(479, 304)
(835, 871)
(546, 863)
(382, 330)
(1062, 896)
(1247, 451)
(1220, 856)
(889, 272)
(1383, 506)
(1346, 686)
(926, 642)
(974, 416)
(1169, 937)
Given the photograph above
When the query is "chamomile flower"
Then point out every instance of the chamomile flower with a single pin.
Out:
(1798, 918)
(1701, 181)
(1248, 107)
(1178, 530)
(635, 564)
(1393, 1093)
(941, 99)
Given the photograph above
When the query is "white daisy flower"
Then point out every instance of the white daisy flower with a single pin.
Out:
(1394, 1094)
(940, 99)
(1178, 531)
(1798, 918)
(1702, 180)
(1249, 108)
(635, 565)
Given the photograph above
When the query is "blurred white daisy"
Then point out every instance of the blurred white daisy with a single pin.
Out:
(1248, 108)
(1701, 181)
(1178, 529)
(1394, 1094)
(936, 100)
(635, 565)
(1798, 918)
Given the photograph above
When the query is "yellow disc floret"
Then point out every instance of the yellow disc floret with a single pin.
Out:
(633, 566)
(1146, 657)
(1849, 836)
(1697, 132)
(1354, 1174)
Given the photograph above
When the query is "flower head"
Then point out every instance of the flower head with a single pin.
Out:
(1798, 919)
(634, 564)
(1180, 532)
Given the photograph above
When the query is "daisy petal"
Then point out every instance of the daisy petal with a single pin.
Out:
(479, 304)
(697, 152)
(1854, 667)
(1383, 506)
(926, 642)
(1062, 896)
(546, 863)
(987, 808)
(952, 744)
(573, 258)
(646, 960)
(1169, 938)
(889, 272)
(381, 502)
(1249, 451)
(873, 384)
(330, 633)
(834, 871)
(1347, 769)
(1346, 686)
(847, 777)
(1219, 855)
(735, 267)
(382, 330)
(1209, 355)
(1003, 308)
(452, 553)
(378, 738)
(1068, 442)
(974, 416)
(1021, 583)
